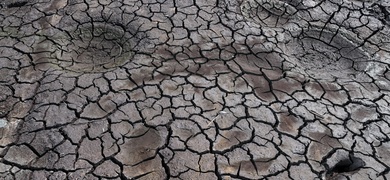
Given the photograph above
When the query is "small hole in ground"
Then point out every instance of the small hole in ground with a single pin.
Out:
(17, 4)
(348, 165)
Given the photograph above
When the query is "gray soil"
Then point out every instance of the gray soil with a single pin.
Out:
(195, 89)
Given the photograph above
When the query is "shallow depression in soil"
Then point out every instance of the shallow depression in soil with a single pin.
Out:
(91, 48)
(324, 54)
(273, 13)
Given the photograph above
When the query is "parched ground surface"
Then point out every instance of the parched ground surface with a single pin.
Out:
(194, 89)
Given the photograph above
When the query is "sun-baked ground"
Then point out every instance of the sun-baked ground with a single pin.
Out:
(194, 89)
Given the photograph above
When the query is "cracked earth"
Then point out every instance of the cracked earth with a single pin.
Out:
(195, 89)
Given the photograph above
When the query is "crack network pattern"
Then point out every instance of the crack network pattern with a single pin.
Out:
(195, 89)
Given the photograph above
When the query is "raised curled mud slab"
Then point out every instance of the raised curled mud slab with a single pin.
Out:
(228, 89)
